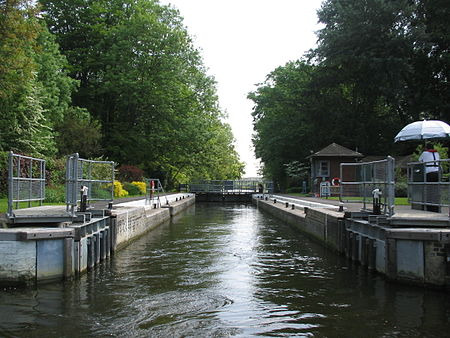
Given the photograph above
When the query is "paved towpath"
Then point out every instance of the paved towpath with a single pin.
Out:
(401, 211)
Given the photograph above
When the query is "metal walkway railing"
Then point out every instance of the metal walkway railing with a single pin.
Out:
(229, 186)
(371, 183)
(26, 181)
(154, 190)
(429, 190)
(97, 176)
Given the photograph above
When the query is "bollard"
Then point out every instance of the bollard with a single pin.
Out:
(287, 205)
(341, 207)
(266, 198)
(377, 201)
(84, 194)
(110, 205)
(293, 207)
(274, 201)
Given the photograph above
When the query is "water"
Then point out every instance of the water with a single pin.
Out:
(225, 270)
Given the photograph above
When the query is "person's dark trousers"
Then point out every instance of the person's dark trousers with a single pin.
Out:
(434, 177)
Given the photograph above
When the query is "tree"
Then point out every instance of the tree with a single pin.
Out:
(23, 126)
(78, 133)
(142, 78)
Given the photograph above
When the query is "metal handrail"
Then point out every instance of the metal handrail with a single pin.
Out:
(15, 175)
(152, 188)
(372, 175)
(230, 186)
(79, 172)
(422, 191)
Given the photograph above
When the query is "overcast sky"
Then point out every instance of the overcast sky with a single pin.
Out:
(241, 42)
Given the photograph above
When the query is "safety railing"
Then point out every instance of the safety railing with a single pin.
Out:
(154, 192)
(88, 180)
(429, 184)
(26, 181)
(370, 183)
(229, 186)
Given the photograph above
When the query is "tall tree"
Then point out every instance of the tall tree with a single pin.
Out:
(141, 76)
(23, 126)
(379, 65)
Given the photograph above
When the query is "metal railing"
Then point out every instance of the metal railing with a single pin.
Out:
(371, 183)
(154, 189)
(26, 181)
(229, 186)
(432, 190)
(97, 176)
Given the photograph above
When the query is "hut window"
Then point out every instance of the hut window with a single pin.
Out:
(323, 169)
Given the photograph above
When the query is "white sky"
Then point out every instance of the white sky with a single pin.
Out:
(242, 41)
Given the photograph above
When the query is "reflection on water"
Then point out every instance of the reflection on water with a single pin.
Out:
(225, 270)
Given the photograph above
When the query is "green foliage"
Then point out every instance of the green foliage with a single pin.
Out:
(55, 194)
(143, 80)
(439, 147)
(142, 186)
(401, 184)
(3, 173)
(294, 190)
(55, 171)
(378, 66)
(132, 189)
(78, 133)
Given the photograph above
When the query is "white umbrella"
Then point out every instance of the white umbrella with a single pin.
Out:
(421, 130)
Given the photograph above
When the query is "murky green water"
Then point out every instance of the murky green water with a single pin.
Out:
(225, 270)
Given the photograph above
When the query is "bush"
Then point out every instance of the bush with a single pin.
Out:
(401, 189)
(401, 185)
(55, 194)
(4, 173)
(55, 171)
(142, 186)
(131, 188)
(294, 189)
(119, 191)
(130, 173)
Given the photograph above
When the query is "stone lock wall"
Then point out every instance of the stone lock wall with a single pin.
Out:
(406, 254)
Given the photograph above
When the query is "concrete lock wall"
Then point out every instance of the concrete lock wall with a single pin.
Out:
(413, 255)
(323, 224)
(34, 255)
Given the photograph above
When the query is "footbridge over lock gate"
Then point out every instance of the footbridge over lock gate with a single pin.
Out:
(228, 190)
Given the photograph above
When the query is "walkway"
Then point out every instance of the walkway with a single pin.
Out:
(403, 213)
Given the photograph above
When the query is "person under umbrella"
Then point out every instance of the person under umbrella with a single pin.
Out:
(430, 157)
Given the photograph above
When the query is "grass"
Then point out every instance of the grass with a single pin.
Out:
(4, 204)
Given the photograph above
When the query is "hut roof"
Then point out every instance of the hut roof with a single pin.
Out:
(336, 150)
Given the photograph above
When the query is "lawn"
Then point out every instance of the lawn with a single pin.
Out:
(4, 204)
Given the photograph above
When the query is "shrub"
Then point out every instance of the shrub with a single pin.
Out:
(132, 189)
(119, 191)
(55, 171)
(3, 173)
(142, 186)
(129, 173)
(55, 194)
(401, 189)
(294, 190)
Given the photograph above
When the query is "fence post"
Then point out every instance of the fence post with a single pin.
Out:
(390, 185)
(10, 183)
